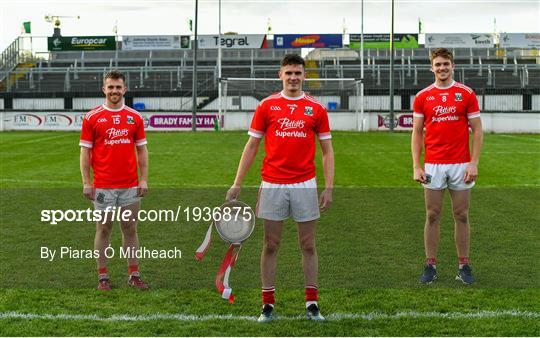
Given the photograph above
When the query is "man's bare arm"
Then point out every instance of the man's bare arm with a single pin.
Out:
(248, 155)
(88, 189)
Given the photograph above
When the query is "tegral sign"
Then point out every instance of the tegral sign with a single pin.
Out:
(236, 41)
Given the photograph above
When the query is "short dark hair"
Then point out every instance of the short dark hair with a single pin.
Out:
(442, 52)
(114, 74)
(293, 59)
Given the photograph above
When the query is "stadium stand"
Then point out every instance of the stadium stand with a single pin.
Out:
(169, 73)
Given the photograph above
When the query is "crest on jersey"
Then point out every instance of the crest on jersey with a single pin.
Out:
(130, 119)
(459, 97)
(308, 111)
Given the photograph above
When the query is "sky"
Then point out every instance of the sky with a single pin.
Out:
(170, 17)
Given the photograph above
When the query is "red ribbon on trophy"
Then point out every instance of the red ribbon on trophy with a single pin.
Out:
(234, 221)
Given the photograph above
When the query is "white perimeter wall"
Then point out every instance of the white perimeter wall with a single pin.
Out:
(378, 102)
(502, 102)
(246, 103)
(509, 103)
(536, 102)
(492, 122)
(38, 104)
(511, 122)
(250, 103)
(164, 103)
(87, 103)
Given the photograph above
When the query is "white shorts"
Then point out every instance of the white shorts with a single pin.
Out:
(115, 197)
(449, 176)
(278, 202)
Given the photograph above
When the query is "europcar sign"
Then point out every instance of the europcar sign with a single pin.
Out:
(81, 43)
(236, 41)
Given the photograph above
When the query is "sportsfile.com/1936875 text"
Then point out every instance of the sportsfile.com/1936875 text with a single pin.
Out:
(188, 214)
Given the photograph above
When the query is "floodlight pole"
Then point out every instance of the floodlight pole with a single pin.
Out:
(219, 69)
(392, 71)
(361, 123)
(194, 82)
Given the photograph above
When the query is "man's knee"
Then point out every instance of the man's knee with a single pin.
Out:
(271, 245)
(129, 229)
(104, 229)
(307, 245)
(461, 216)
(433, 215)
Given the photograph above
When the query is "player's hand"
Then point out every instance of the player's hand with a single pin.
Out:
(89, 192)
(471, 173)
(142, 189)
(233, 193)
(419, 175)
(325, 200)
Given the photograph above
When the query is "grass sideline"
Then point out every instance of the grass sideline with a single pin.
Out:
(369, 243)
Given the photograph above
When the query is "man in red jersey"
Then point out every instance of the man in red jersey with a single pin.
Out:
(446, 109)
(290, 121)
(110, 134)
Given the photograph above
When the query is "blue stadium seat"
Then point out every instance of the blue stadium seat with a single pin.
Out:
(139, 106)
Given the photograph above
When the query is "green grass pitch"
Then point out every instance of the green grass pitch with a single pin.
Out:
(369, 244)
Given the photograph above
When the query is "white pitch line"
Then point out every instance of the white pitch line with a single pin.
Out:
(16, 180)
(41, 139)
(521, 137)
(331, 317)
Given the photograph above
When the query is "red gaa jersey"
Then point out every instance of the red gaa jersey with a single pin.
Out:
(112, 134)
(446, 113)
(289, 125)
